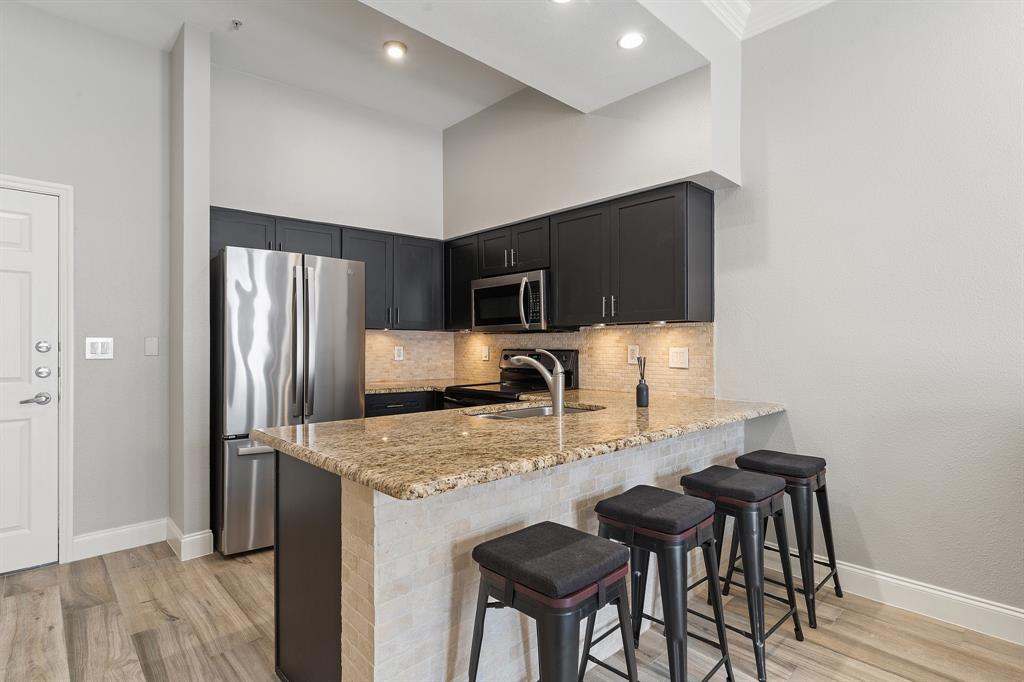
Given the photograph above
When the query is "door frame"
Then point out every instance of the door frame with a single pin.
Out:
(65, 350)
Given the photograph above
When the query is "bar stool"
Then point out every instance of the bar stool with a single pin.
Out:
(558, 576)
(804, 475)
(648, 519)
(751, 499)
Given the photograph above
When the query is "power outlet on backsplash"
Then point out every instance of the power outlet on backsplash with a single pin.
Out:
(485, 354)
(632, 351)
(679, 358)
(399, 353)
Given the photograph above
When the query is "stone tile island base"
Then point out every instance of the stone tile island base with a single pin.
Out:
(409, 585)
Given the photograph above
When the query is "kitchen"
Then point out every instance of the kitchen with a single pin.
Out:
(776, 210)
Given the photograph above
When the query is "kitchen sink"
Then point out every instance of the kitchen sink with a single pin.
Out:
(525, 412)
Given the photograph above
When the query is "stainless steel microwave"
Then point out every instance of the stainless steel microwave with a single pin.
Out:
(510, 303)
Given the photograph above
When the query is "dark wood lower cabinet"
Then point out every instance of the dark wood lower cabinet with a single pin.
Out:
(307, 572)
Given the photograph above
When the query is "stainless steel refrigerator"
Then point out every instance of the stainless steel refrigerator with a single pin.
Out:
(288, 346)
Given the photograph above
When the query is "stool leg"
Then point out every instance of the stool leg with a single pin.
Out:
(803, 522)
(719, 531)
(558, 646)
(639, 561)
(478, 630)
(826, 527)
(711, 566)
(787, 570)
(735, 543)
(627, 634)
(672, 573)
(748, 524)
(587, 639)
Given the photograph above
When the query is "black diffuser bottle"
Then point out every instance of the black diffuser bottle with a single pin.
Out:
(642, 392)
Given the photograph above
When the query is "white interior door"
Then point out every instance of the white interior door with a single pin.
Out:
(28, 379)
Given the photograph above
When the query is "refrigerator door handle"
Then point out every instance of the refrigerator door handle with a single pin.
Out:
(298, 342)
(311, 335)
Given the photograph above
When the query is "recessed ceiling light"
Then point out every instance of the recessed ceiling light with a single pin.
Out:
(395, 49)
(561, 2)
(631, 40)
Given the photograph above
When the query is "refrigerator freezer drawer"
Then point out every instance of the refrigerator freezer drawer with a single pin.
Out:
(248, 497)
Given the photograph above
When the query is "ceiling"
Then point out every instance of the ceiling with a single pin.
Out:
(325, 46)
(746, 18)
(567, 51)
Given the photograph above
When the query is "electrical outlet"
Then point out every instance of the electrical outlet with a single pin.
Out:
(152, 345)
(399, 353)
(679, 358)
(97, 348)
(631, 353)
(485, 354)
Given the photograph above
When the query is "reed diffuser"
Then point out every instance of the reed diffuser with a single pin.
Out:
(642, 392)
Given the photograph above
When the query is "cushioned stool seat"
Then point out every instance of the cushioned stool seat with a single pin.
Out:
(550, 558)
(748, 486)
(781, 463)
(658, 509)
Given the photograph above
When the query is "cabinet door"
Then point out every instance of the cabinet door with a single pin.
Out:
(530, 245)
(239, 228)
(375, 250)
(700, 253)
(419, 272)
(494, 252)
(312, 239)
(579, 267)
(460, 271)
(648, 256)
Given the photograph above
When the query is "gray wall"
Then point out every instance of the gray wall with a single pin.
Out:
(81, 108)
(870, 278)
(530, 154)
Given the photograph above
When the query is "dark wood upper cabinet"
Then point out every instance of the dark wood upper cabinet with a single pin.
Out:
(375, 249)
(579, 267)
(419, 273)
(530, 247)
(240, 228)
(494, 251)
(314, 239)
(460, 271)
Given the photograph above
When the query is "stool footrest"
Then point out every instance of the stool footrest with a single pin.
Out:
(800, 590)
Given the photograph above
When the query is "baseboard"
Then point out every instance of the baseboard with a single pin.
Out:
(188, 546)
(110, 540)
(974, 613)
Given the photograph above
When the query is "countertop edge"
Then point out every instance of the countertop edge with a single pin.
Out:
(493, 473)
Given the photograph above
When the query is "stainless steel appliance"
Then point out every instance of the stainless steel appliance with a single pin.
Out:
(514, 380)
(510, 302)
(288, 346)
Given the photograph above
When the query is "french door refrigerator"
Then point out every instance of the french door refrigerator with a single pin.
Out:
(288, 343)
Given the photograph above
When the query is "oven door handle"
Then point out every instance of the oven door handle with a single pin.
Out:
(522, 311)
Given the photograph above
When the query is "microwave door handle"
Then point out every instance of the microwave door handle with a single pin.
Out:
(298, 342)
(522, 311)
(311, 333)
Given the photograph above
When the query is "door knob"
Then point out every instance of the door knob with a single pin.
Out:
(38, 399)
(43, 346)
(42, 371)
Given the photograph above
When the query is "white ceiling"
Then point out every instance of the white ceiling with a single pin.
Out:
(567, 51)
(322, 45)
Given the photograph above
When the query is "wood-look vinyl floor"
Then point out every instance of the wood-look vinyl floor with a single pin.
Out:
(141, 614)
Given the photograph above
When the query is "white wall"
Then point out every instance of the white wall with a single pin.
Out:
(82, 108)
(530, 154)
(869, 276)
(287, 151)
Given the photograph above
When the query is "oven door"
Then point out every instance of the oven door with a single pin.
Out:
(510, 302)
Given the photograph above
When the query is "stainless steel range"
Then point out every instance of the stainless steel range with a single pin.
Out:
(514, 380)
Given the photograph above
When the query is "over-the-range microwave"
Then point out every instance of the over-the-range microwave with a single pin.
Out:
(510, 303)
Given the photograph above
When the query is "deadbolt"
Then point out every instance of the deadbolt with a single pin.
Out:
(43, 346)
(42, 372)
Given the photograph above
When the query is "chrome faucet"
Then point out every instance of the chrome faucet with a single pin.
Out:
(554, 379)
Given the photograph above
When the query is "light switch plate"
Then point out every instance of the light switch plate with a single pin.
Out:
(485, 354)
(152, 345)
(399, 353)
(679, 358)
(99, 348)
(631, 353)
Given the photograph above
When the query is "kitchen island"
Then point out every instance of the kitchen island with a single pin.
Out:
(376, 519)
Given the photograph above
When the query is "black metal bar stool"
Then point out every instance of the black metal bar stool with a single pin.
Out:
(751, 499)
(804, 475)
(558, 576)
(649, 519)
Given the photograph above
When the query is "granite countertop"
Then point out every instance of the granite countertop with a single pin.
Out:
(417, 455)
(407, 385)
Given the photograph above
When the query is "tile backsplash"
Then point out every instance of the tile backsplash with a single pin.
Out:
(603, 355)
(428, 355)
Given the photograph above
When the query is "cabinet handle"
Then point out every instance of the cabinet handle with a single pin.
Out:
(604, 300)
(513, 257)
(270, 245)
(279, 247)
(613, 305)
(397, 317)
(389, 316)
(392, 406)
(506, 258)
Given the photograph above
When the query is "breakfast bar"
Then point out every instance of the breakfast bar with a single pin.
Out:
(376, 520)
